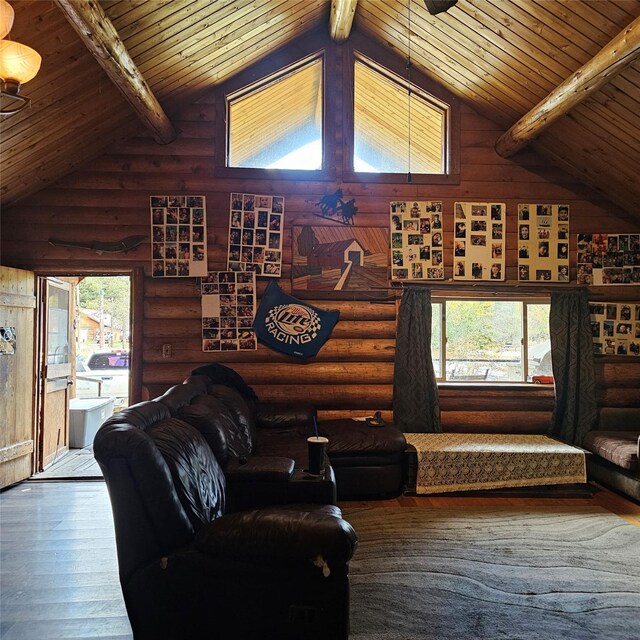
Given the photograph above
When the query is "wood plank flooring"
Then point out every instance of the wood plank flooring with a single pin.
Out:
(58, 570)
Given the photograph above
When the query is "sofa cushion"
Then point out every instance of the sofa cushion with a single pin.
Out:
(287, 443)
(352, 437)
(241, 412)
(214, 421)
(197, 476)
(618, 447)
(619, 419)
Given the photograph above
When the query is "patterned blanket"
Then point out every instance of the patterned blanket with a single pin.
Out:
(469, 461)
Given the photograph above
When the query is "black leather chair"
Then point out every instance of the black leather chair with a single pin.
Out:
(188, 571)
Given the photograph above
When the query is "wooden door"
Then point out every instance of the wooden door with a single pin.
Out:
(55, 361)
(17, 379)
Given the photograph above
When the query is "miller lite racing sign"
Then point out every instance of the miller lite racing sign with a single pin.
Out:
(290, 326)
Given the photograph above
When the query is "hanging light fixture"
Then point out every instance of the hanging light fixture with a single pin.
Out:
(6, 18)
(18, 64)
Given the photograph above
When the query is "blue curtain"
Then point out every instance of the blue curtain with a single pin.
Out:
(575, 411)
(416, 406)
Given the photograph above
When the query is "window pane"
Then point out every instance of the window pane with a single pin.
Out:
(279, 125)
(381, 127)
(484, 341)
(539, 347)
(436, 338)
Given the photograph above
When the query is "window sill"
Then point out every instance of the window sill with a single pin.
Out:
(501, 387)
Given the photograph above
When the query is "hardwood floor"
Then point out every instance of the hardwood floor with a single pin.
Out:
(58, 571)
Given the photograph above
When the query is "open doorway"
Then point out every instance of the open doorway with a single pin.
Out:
(97, 383)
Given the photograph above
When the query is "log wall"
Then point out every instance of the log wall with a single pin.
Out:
(352, 374)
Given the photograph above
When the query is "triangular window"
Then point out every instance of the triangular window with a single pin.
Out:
(398, 127)
(278, 122)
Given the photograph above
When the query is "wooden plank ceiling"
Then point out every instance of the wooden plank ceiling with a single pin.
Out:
(501, 57)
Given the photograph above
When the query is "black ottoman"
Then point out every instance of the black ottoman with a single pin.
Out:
(367, 460)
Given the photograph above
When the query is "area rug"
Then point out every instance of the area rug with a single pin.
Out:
(472, 461)
(494, 573)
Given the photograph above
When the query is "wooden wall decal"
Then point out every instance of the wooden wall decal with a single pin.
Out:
(339, 258)
(255, 234)
(416, 240)
(543, 242)
(478, 244)
(118, 246)
(178, 236)
(605, 259)
(615, 327)
(228, 308)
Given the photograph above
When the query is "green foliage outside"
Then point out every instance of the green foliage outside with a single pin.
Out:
(115, 301)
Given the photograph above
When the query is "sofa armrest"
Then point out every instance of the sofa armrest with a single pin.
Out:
(259, 468)
(281, 535)
(270, 415)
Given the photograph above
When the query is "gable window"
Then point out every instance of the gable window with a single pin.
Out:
(277, 123)
(490, 340)
(397, 128)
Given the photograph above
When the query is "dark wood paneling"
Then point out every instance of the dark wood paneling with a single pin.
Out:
(352, 375)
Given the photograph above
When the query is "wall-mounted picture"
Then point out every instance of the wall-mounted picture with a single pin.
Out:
(256, 225)
(228, 309)
(543, 242)
(615, 327)
(417, 240)
(7, 341)
(605, 259)
(340, 258)
(178, 236)
(479, 230)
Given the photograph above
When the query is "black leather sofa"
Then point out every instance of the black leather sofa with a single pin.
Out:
(188, 569)
(368, 462)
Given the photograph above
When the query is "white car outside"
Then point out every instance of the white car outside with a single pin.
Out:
(105, 374)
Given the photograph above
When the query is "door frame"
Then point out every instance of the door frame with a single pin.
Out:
(136, 315)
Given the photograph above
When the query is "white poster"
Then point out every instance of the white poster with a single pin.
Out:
(228, 309)
(416, 240)
(478, 244)
(612, 258)
(178, 236)
(615, 327)
(255, 234)
(543, 242)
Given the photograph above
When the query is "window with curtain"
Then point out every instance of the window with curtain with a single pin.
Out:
(489, 340)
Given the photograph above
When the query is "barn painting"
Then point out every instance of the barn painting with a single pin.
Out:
(340, 259)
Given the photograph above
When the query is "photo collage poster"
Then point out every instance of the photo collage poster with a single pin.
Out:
(478, 243)
(615, 327)
(543, 242)
(416, 240)
(178, 236)
(608, 258)
(256, 224)
(228, 309)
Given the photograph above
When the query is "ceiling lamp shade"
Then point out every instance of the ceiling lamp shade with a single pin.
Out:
(18, 63)
(6, 18)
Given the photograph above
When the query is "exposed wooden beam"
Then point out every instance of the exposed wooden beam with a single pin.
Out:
(342, 12)
(101, 38)
(605, 65)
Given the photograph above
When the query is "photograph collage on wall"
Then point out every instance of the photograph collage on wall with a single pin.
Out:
(543, 242)
(228, 309)
(256, 224)
(608, 258)
(178, 236)
(479, 239)
(615, 327)
(417, 240)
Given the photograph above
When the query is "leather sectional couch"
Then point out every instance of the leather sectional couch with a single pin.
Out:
(615, 447)
(188, 568)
